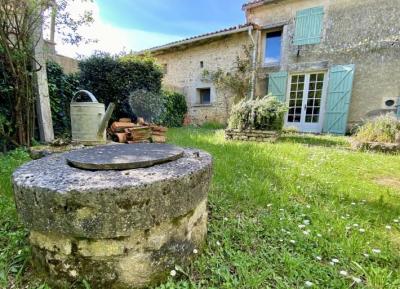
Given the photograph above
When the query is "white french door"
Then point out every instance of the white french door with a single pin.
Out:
(306, 101)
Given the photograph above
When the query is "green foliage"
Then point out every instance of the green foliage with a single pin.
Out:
(147, 104)
(62, 88)
(174, 110)
(384, 128)
(260, 198)
(212, 125)
(236, 82)
(113, 78)
(263, 113)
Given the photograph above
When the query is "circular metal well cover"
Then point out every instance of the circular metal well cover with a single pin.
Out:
(123, 156)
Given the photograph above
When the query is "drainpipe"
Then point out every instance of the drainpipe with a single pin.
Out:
(253, 60)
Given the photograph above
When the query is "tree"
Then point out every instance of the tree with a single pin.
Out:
(21, 23)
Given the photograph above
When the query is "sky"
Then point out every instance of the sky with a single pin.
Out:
(134, 25)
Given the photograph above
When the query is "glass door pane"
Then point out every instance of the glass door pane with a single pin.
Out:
(314, 97)
(295, 98)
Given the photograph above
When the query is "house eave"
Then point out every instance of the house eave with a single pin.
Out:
(248, 6)
(194, 41)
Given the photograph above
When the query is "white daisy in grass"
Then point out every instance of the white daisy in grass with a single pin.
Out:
(195, 251)
(356, 280)
(388, 227)
(343, 217)
(366, 255)
(319, 235)
(344, 273)
(309, 284)
(334, 260)
(301, 226)
(281, 240)
(172, 273)
(292, 241)
(348, 228)
(376, 251)
(281, 210)
(218, 243)
(319, 258)
(281, 219)
(362, 230)
(356, 225)
(225, 219)
(306, 232)
(353, 204)
(308, 207)
(396, 220)
(306, 222)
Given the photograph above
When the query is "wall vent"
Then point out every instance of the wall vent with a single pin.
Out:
(390, 102)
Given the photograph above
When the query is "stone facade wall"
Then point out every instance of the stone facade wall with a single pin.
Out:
(69, 65)
(361, 32)
(184, 74)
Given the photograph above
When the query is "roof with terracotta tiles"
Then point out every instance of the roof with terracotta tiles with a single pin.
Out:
(230, 30)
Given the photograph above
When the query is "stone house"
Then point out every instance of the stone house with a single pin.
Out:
(334, 62)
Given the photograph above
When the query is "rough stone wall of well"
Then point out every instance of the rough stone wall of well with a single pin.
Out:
(184, 74)
(361, 32)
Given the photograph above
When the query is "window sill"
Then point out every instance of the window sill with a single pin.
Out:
(202, 105)
(271, 64)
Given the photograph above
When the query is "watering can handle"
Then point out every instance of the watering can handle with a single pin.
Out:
(88, 93)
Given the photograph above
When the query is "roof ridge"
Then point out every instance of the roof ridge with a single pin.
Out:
(232, 28)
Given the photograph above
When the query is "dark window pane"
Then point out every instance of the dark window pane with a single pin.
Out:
(290, 118)
(315, 118)
(297, 118)
(317, 102)
(205, 95)
(301, 86)
(320, 85)
(316, 110)
(313, 77)
(291, 110)
(312, 86)
(299, 102)
(291, 102)
(273, 47)
(298, 110)
(321, 77)
(295, 78)
(293, 87)
(318, 94)
(309, 110)
(308, 118)
(301, 78)
(310, 102)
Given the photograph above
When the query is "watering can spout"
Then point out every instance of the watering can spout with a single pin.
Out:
(104, 121)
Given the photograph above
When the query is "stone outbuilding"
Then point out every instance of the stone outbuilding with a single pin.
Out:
(334, 62)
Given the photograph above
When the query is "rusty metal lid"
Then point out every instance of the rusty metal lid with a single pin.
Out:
(123, 156)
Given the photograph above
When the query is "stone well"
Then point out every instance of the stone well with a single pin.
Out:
(116, 228)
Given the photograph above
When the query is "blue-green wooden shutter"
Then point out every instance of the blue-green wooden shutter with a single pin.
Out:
(398, 107)
(339, 97)
(309, 26)
(277, 83)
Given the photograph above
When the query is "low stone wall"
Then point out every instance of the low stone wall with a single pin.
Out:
(251, 135)
(376, 146)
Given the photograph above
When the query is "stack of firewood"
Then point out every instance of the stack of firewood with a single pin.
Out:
(125, 131)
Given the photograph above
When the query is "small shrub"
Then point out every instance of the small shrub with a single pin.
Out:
(264, 113)
(147, 104)
(385, 128)
(212, 125)
(175, 109)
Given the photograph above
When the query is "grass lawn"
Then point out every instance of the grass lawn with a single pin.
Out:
(304, 212)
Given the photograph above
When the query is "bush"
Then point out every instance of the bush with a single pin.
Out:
(262, 114)
(114, 78)
(174, 110)
(147, 104)
(385, 128)
(62, 88)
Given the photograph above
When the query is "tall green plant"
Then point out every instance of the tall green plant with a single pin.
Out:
(113, 78)
(62, 88)
(175, 109)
